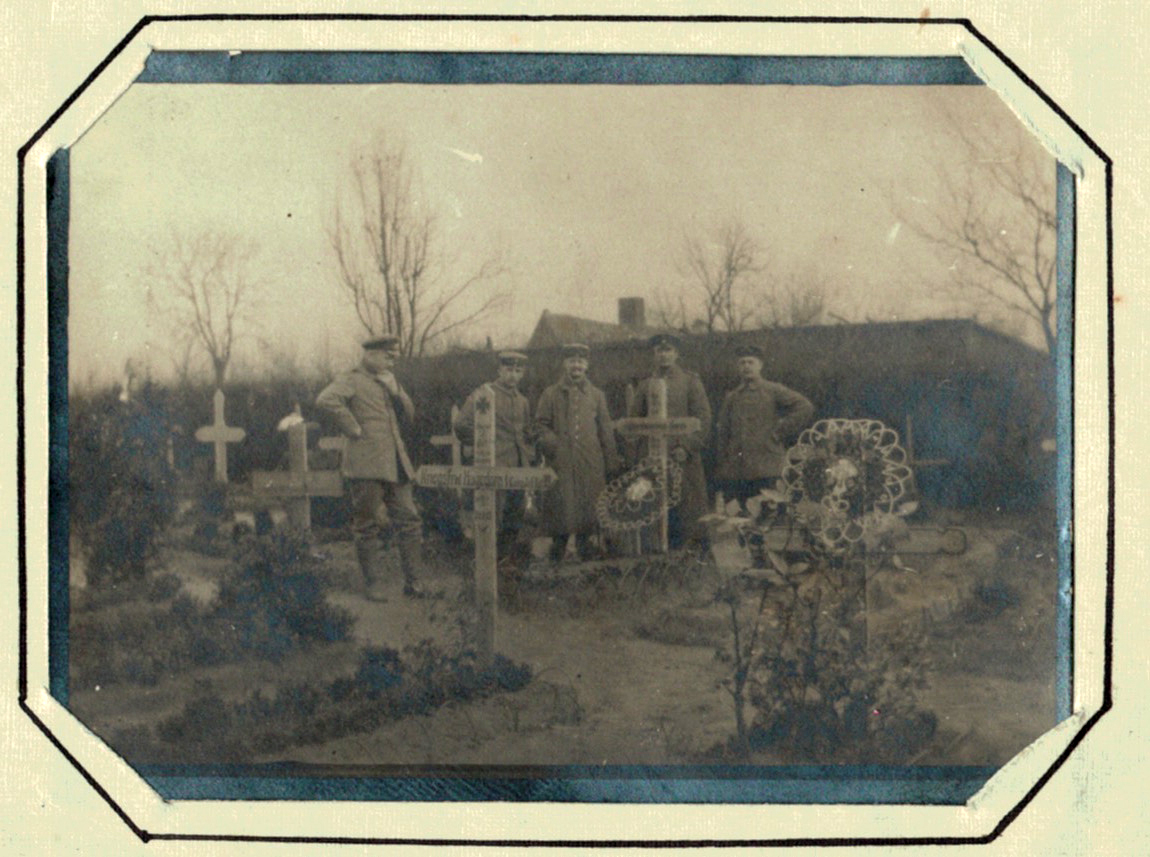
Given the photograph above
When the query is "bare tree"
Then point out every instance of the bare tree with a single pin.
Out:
(203, 285)
(391, 267)
(722, 273)
(798, 300)
(995, 215)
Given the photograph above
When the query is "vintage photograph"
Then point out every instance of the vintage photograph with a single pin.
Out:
(528, 426)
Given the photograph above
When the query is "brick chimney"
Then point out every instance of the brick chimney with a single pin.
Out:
(632, 313)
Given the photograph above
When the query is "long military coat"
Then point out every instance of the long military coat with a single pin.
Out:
(512, 425)
(685, 398)
(755, 422)
(364, 410)
(576, 436)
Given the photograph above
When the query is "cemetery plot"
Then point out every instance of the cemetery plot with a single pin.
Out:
(619, 660)
(219, 644)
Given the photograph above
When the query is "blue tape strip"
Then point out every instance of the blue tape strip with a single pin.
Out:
(527, 68)
(785, 785)
(58, 578)
(1064, 386)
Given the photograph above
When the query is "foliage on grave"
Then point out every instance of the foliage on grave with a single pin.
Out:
(803, 681)
(121, 490)
(270, 603)
(273, 600)
(389, 684)
(140, 641)
(804, 675)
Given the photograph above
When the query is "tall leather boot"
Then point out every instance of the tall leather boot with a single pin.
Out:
(369, 553)
(411, 564)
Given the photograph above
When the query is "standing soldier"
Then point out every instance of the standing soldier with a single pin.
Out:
(365, 404)
(575, 434)
(513, 445)
(685, 398)
(756, 420)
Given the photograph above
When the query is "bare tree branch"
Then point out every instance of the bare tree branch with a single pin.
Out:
(202, 285)
(996, 214)
(390, 265)
(722, 274)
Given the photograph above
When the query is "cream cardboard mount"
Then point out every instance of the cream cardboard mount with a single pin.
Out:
(224, 50)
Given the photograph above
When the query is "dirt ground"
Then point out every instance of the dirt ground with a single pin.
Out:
(624, 665)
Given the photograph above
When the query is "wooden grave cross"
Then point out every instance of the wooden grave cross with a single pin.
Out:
(658, 428)
(296, 486)
(220, 434)
(484, 477)
(452, 441)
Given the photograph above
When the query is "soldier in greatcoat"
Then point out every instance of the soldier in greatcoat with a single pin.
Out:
(367, 404)
(756, 421)
(575, 434)
(514, 445)
(685, 398)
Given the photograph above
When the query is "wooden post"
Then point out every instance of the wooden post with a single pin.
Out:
(452, 441)
(658, 404)
(484, 477)
(658, 428)
(486, 582)
(219, 434)
(296, 486)
(298, 508)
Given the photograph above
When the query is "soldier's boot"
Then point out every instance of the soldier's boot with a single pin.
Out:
(586, 549)
(411, 564)
(369, 553)
(558, 549)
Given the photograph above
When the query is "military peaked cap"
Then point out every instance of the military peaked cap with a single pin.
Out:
(665, 339)
(381, 343)
(576, 349)
(749, 351)
(512, 358)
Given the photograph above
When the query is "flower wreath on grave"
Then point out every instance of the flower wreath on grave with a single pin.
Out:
(634, 499)
(845, 480)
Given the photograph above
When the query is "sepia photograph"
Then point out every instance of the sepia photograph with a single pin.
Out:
(489, 435)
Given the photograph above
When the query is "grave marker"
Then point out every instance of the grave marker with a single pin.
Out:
(450, 440)
(484, 477)
(220, 434)
(658, 429)
(296, 486)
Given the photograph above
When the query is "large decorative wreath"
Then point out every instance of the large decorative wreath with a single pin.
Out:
(843, 478)
(635, 499)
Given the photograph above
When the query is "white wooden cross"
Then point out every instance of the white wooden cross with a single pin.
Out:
(658, 428)
(452, 441)
(220, 434)
(485, 478)
(296, 486)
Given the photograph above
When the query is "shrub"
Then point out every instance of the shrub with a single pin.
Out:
(271, 603)
(121, 489)
(800, 656)
(274, 597)
(816, 686)
(388, 685)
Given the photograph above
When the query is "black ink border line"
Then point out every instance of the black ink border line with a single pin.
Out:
(1107, 703)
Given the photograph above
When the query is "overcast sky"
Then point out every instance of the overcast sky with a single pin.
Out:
(586, 190)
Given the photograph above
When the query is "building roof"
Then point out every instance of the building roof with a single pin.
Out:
(554, 329)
